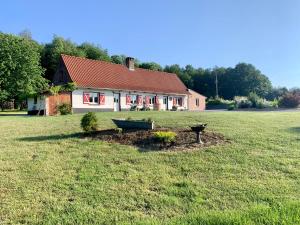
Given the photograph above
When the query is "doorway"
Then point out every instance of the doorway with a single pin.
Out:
(116, 102)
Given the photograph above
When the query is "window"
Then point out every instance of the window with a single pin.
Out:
(151, 100)
(133, 99)
(92, 97)
(177, 101)
(197, 102)
(116, 100)
(35, 100)
(165, 100)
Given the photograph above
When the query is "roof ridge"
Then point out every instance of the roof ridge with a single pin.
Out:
(97, 60)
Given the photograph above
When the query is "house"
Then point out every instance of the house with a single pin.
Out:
(105, 86)
(196, 101)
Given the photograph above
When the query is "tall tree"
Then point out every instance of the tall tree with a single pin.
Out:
(52, 51)
(20, 69)
(94, 52)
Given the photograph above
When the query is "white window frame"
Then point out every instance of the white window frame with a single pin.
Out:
(165, 100)
(151, 100)
(93, 96)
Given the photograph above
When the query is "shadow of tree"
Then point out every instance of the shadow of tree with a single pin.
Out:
(294, 129)
(51, 137)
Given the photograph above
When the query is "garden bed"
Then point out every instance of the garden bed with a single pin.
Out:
(144, 139)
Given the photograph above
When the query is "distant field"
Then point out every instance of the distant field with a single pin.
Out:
(50, 176)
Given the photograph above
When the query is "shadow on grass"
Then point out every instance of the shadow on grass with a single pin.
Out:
(294, 129)
(51, 137)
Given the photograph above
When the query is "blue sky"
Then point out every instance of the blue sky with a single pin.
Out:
(204, 33)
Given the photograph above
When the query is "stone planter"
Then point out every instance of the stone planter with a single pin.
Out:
(133, 124)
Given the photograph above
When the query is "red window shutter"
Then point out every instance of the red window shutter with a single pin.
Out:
(128, 99)
(86, 98)
(139, 100)
(101, 99)
(147, 98)
(174, 101)
(156, 100)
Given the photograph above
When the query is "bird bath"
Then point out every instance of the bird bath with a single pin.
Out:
(198, 129)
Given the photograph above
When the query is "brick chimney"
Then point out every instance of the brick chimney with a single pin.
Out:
(130, 63)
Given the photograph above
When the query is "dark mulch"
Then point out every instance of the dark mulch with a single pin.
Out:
(143, 139)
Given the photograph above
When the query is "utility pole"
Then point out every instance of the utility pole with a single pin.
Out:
(217, 88)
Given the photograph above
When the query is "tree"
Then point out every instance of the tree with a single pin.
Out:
(118, 59)
(276, 93)
(20, 69)
(94, 52)
(52, 51)
(151, 66)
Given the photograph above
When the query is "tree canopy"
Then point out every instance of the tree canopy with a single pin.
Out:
(20, 71)
(26, 64)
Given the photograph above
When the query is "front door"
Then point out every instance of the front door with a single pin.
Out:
(116, 102)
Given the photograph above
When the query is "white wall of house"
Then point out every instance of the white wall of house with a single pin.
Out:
(77, 100)
(39, 104)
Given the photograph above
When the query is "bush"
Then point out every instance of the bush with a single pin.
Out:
(65, 109)
(290, 100)
(133, 108)
(165, 136)
(145, 108)
(174, 108)
(275, 103)
(231, 107)
(218, 103)
(242, 102)
(254, 99)
(89, 122)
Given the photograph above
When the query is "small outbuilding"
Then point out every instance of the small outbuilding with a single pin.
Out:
(196, 101)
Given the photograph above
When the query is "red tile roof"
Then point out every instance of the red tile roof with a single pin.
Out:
(89, 73)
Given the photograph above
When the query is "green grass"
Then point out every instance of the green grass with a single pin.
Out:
(50, 176)
(12, 112)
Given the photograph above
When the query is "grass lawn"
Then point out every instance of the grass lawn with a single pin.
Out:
(50, 176)
(12, 112)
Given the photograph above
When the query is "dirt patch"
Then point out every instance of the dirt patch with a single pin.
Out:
(143, 139)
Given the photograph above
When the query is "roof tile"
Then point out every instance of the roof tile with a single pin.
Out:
(99, 74)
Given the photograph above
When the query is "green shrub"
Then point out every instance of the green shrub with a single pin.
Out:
(133, 108)
(89, 122)
(54, 90)
(254, 99)
(242, 102)
(165, 136)
(275, 103)
(174, 108)
(290, 100)
(218, 103)
(231, 107)
(65, 109)
(71, 86)
(145, 108)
